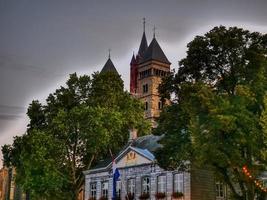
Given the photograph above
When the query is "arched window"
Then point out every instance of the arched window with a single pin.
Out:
(146, 185)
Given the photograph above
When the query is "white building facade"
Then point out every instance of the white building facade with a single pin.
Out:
(142, 178)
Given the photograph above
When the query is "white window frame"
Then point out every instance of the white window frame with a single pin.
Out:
(178, 182)
(220, 190)
(118, 189)
(131, 185)
(162, 183)
(93, 190)
(104, 189)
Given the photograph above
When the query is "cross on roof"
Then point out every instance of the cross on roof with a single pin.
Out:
(109, 50)
(154, 31)
(144, 24)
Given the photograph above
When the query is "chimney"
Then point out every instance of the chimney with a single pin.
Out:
(132, 134)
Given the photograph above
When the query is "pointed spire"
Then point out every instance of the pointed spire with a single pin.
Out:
(143, 44)
(154, 52)
(133, 61)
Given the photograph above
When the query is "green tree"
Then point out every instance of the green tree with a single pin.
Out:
(76, 127)
(214, 118)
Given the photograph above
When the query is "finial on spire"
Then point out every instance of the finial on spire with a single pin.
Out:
(109, 50)
(144, 24)
(154, 31)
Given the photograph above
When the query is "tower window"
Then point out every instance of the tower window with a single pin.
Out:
(160, 105)
(146, 105)
(145, 88)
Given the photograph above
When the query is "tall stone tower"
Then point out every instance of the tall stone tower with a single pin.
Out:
(147, 70)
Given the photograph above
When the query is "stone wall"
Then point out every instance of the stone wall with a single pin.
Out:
(202, 184)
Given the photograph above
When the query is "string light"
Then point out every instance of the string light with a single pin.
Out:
(258, 183)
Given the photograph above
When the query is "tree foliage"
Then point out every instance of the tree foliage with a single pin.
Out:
(76, 127)
(214, 118)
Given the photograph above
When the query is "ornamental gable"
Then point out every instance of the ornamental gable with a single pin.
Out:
(134, 156)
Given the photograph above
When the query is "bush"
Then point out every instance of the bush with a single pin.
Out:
(144, 196)
(129, 196)
(160, 195)
(177, 195)
(103, 198)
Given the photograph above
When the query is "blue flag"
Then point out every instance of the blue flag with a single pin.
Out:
(116, 175)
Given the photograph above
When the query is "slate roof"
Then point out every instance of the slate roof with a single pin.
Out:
(146, 145)
(149, 142)
(109, 67)
(143, 46)
(154, 52)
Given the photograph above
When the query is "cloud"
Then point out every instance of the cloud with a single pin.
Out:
(9, 117)
(8, 108)
(14, 63)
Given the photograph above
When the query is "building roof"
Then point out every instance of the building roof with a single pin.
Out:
(145, 145)
(143, 46)
(149, 142)
(154, 52)
(109, 67)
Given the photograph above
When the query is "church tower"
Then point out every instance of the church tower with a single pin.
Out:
(152, 65)
(136, 60)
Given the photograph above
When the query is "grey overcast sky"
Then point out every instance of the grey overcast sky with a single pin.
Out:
(42, 41)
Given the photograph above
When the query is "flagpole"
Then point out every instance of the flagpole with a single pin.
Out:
(122, 182)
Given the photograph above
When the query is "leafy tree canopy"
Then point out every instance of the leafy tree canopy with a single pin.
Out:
(77, 126)
(218, 101)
